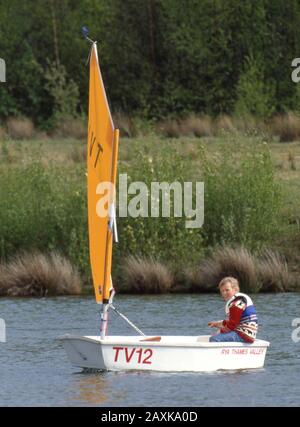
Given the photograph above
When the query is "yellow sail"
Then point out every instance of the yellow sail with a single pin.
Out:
(102, 154)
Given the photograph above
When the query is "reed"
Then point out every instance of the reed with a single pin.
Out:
(20, 128)
(70, 128)
(198, 126)
(169, 128)
(224, 123)
(125, 124)
(34, 274)
(285, 126)
(273, 272)
(266, 273)
(146, 275)
(248, 125)
(237, 262)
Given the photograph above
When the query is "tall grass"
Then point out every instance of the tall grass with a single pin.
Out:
(285, 126)
(37, 274)
(169, 128)
(145, 275)
(197, 126)
(20, 128)
(273, 272)
(2, 133)
(126, 125)
(267, 272)
(70, 128)
(225, 261)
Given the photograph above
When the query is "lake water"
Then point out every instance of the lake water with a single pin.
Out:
(35, 370)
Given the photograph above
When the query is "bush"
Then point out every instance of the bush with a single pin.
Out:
(63, 91)
(255, 96)
(44, 209)
(164, 238)
(242, 198)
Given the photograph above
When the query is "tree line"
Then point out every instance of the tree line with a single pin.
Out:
(159, 58)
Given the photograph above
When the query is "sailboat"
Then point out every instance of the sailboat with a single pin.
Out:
(137, 352)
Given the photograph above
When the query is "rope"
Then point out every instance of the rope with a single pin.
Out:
(127, 320)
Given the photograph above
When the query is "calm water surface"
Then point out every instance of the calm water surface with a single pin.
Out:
(35, 370)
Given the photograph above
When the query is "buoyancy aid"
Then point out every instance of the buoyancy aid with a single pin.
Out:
(247, 327)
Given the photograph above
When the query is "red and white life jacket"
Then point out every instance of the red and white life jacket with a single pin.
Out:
(242, 317)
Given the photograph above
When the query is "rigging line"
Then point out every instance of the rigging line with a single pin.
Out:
(127, 320)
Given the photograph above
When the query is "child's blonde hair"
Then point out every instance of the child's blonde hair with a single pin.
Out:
(234, 282)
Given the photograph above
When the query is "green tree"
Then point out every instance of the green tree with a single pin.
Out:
(281, 46)
(255, 96)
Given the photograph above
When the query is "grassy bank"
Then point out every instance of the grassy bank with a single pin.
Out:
(251, 201)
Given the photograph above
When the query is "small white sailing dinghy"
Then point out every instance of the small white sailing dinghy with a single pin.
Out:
(123, 353)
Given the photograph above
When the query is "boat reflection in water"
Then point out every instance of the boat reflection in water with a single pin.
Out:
(90, 388)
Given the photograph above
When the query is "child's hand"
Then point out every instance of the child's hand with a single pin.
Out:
(212, 324)
(215, 324)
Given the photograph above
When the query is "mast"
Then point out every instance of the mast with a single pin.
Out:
(102, 154)
(111, 234)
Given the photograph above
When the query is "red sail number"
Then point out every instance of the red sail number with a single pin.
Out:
(139, 355)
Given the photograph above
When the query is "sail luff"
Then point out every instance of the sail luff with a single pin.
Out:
(110, 230)
(101, 136)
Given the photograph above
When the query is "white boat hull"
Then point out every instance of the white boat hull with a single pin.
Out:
(165, 353)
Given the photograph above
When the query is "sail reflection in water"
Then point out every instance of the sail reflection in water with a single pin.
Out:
(90, 388)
